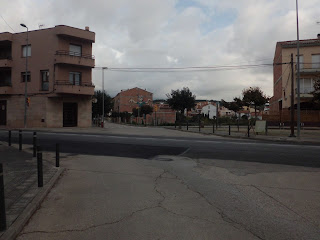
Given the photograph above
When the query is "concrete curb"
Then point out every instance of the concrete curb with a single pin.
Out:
(13, 231)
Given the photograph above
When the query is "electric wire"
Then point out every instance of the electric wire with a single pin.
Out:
(7, 23)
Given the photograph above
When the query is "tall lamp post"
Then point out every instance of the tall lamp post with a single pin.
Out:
(26, 78)
(298, 74)
(102, 122)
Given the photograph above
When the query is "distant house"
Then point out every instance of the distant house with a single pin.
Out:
(162, 113)
(210, 110)
(128, 99)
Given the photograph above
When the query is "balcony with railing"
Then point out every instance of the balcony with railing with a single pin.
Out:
(66, 87)
(305, 92)
(306, 69)
(74, 58)
(5, 85)
(5, 61)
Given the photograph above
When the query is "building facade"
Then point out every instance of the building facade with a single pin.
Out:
(59, 79)
(126, 100)
(309, 71)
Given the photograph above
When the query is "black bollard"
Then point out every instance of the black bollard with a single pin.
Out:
(229, 130)
(57, 155)
(39, 166)
(248, 130)
(187, 125)
(175, 124)
(20, 140)
(213, 126)
(9, 138)
(3, 221)
(34, 144)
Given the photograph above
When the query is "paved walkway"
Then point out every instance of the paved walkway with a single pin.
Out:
(20, 180)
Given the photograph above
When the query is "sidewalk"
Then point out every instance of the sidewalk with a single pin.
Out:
(20, 183)
(308, 136)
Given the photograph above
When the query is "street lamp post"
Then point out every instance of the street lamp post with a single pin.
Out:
(102, 122)
(298, 74)
(26, 78)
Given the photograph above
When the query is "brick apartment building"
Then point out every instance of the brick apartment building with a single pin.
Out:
(309, 71)
(126, 100)
(59, 79)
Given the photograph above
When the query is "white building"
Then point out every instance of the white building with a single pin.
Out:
(210, 110)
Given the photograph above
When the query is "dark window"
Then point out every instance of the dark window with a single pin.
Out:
(75, 78)
(23, 76)
(25, 49)
(44, 80)
(75, 50)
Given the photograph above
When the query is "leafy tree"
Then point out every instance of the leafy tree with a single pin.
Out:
(254, 96)
(180, 100)
(144, 109)
(236, 105)
(97, 107)
(316, 92)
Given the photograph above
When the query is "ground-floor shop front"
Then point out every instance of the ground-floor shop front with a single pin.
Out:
(46, 111)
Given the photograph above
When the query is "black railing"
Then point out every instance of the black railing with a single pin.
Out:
(74, 54)
(5, 57)
(67, 82)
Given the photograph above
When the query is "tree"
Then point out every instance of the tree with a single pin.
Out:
(316, 92)
(236, 105)
(254, 96)
(180, 100)
(97, 107)
(144, 109)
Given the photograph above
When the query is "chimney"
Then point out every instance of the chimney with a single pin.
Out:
(86, 28)
(318, 35)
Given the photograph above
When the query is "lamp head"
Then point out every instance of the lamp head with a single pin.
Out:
(23, 25)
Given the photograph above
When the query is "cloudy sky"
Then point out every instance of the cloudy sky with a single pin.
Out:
(174, 34)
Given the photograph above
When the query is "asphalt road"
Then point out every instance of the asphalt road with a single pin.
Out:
(192, 147)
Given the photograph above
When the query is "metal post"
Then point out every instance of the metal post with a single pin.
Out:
(292, 99)
(34, 144)
(212, 125)
(3, 221)
(187, 125)
(217, 113)
(298, 74)
(26, 82)
(20, 140)
(57, 155)
(39, 166)
(199, 122)
(9, 138)
(175, 124)
(229, 130)
(248, 130)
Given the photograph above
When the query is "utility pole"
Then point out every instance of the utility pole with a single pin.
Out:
(292, 99)
(298, 75)
(26, 78)
(102, 121)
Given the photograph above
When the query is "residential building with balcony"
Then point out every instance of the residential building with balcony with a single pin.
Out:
(59, 77)
(309, 72)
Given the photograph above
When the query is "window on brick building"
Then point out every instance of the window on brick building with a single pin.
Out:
(316, 61)
(44, 80)
(75, 50)
(23, 76)
(26, 49)
(75, 78)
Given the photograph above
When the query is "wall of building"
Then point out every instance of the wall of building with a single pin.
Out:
(126, 100)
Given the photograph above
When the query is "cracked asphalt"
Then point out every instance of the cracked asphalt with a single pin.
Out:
(110, 197)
